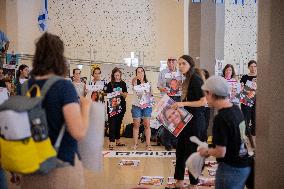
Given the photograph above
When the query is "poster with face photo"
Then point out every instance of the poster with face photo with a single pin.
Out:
(144, 95)
(151, 180)
(97, 90)
(12, 60)
(247, 95)
(174, 120)
(173, 83)
(235, 89)
(114, 106)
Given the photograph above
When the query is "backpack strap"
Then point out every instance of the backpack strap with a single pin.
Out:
(45, 88)
(24, 88)
(59, 138)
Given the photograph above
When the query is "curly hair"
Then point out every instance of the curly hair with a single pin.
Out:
(233, 70)
(49, 56)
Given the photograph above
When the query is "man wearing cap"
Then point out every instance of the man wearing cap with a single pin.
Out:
(165, 79)
(4, 45)
(228, 143)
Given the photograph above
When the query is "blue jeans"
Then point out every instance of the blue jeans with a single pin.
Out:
(139, 113)
(228, 177)
(3, 180)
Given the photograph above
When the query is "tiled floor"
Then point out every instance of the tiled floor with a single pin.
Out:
(114, 176)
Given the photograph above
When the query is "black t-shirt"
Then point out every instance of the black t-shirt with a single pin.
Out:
(2, 83)
(194, 93)
(245, 78)
(116, 86)
(229, 131)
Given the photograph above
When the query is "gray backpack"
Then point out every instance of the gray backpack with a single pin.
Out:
(24, 142)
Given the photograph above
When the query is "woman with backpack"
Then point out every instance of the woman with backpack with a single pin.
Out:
(61, 106)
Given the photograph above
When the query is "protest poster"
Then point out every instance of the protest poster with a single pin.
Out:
(247, 95)
(114, 106)
(173, 83)
(12, 60)
(97, 90)
(235, 89)
(144, 95)
(151, 180)
(129, 162)
(174, 120)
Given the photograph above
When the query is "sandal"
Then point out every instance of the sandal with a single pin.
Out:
(148, 147)
(110, 147)
(135, 147)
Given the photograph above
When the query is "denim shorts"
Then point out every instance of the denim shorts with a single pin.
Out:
(228, 177)
(138, 113)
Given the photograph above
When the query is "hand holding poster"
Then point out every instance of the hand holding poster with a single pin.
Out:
(144, 94)
(173, 120)
(174, 83)
(114, 106)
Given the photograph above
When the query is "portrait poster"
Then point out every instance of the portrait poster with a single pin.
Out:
(129, 162)
(144, 95)
(247, 95)
(173, 83)
(151, 180)
(174, 120)
(12, 60)
(114, 106)
(96, 90)
(235, 89)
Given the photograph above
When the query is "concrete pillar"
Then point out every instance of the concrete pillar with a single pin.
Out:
(212, 34)
(270, 95)
(194, 31)
(3, 23)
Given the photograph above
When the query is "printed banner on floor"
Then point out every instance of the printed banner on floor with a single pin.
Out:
(151, 180)
(174, 120)
(129, 162)
(171, 180)
(205, 181)
(137, 154)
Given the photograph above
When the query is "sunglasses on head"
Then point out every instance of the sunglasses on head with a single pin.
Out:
(171, 59)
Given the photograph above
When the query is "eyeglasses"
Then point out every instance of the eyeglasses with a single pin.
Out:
(171, 59)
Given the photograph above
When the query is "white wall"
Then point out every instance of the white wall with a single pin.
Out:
(240, 43)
